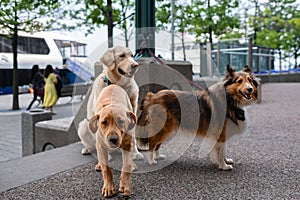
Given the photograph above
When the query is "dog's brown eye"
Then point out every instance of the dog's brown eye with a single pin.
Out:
(240, 81)
(122, 55)
(104, 122)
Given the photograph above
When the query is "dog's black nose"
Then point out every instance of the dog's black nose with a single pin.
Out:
(113, 140)
(250, 89)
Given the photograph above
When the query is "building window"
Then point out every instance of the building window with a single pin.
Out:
(26, 45)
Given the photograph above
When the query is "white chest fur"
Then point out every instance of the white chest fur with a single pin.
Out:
(233, 128)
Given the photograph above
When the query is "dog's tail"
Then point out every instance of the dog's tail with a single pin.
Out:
(143, 122)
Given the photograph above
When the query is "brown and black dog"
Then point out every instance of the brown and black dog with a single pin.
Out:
(217, 114)
(113, 123)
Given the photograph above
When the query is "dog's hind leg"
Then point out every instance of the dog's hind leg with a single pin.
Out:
(152, 154)
(157, 155)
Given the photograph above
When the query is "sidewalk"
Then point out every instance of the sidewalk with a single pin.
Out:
(266, 163)
(10, 121)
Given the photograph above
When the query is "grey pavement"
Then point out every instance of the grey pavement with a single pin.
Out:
(266, 163)
(10, 121)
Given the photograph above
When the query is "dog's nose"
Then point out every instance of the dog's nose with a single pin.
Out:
(134, 64)
(249, 89)
(113, 140)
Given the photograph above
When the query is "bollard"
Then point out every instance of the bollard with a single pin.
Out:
(29, 119)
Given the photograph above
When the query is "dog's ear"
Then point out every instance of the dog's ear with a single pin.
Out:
(229, 75)
(230, 71)
(132, 118)
(108, 58)
(93, 123)
(247, 69)
(255, 82)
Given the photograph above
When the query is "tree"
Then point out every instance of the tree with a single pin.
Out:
(126, 19)
(182, 19)
(217, 19)
(277, 26)
(113, 13)
(22, 15)
(293, 38)
(198, 17)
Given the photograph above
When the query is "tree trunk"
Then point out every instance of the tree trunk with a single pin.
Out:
(183, 46)
(109, 23)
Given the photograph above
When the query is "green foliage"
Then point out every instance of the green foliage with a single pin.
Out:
(278, 26)
(95, 13)
(25, 14)
(197, 18)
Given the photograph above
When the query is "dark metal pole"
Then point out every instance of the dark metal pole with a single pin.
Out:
(172, 28)
(145, 26)
(250, 53)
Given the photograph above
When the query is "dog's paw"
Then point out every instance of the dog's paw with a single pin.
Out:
(108, 190)
(228, 161)
(125, 191)
(85, 151)
(160, 157)
(137, 156)
(226, 167)
(152, 162)
(98, 167)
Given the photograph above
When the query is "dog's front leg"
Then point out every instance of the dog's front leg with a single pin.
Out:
(218, 151)
(87, 138)
(127, 167)
(108, 183)
(136, 154)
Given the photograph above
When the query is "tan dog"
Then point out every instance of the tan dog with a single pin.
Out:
(119, 68)
(219, 110)
(113, 123)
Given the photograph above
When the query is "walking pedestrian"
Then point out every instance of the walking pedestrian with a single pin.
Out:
(37, 80)
(50, 97)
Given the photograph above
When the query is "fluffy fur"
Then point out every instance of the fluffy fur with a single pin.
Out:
(113, 123)
(119, 68)
(220, 110)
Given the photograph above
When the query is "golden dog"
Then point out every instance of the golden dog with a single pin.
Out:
(113, 123)
(119, 68)
(219, 110)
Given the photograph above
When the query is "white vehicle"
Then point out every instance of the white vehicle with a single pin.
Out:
(40, 48)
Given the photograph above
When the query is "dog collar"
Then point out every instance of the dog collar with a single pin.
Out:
(105, 79)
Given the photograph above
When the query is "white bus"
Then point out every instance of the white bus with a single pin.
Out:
(40, 48)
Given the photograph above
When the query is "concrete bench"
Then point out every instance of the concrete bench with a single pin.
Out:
(55, 133)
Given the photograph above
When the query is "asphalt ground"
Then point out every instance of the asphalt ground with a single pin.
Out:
(266, 163)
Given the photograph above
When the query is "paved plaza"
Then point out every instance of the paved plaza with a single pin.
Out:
(266, 161)
(10, 134)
